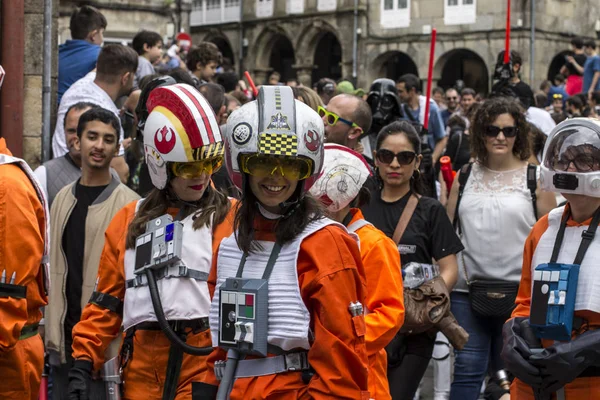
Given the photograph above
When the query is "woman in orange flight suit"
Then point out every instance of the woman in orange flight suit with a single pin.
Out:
(313, 345)
(183, 148)
(563, 370)
(339, 187)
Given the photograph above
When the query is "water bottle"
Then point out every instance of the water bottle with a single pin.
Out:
(415, 274)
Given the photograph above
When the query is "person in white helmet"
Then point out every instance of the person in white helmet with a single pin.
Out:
(162, 307)
(289, 283)
(558, 298)
(341, 190)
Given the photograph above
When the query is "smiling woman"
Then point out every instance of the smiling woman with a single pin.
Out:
(309, 340)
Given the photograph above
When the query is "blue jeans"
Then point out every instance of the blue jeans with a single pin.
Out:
(480, 355)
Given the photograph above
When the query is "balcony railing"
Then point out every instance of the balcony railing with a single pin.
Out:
(213, 12)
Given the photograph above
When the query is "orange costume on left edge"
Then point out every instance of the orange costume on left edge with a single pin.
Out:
(22, 233)
(384, 301)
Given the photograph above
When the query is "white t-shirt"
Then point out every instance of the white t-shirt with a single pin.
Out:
(84, 90)
(540, 118)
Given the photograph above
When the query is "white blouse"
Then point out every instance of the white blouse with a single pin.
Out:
(496, 215)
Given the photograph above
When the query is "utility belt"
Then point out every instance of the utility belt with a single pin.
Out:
(29, 331)
(180, 271)
(180, 326)
(288, 362)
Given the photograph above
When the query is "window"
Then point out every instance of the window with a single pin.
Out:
(395, 13)
(295, 6)
(264, 8)
(459, 12)
(212, 12)
(326, 5)
(212, 4)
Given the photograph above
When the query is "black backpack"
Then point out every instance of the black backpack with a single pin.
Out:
(465, 171)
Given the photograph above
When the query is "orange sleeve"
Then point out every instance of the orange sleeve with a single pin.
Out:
(523, 300)
(385, 300)
(98, 325)
(328, 266)
(22, 225)
(221, 231)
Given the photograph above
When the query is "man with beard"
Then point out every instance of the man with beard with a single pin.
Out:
(452, 102)
(80, 214)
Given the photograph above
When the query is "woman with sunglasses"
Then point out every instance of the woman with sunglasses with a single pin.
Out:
(495, 215)
(428, 236)
(183, 148)
(309, 339)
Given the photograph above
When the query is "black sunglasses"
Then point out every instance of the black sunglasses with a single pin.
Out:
(582, 162)
(508, 131)
(404, 157)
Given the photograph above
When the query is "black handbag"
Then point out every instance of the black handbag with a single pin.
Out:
(492, 298)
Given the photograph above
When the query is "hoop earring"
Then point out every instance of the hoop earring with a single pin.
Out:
(418, 172)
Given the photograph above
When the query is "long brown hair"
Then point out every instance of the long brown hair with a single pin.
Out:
(307, 210)
(213, 204)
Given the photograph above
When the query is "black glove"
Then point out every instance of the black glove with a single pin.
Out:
(516, 352)
(80, 379)
(563, 362)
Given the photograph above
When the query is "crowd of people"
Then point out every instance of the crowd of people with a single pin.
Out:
(192, 239)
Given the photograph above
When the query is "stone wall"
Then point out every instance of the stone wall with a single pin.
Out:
(127, 19)
(557, 21)
(33, 69)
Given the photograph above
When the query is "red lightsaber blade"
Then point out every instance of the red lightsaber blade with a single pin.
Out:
(251, 82)
(507, 39)
(429, 77)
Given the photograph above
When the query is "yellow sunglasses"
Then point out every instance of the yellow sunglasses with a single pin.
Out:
(333, 118)
(261, 166)
(191, 170)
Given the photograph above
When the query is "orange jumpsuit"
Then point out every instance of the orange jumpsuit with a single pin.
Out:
(144, 375)
(22, 227)
(581, 388)
(384, 301)
(330, 276)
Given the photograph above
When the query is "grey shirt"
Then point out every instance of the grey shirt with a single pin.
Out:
(144, 68)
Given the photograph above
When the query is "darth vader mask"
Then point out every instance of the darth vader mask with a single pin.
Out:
(384, 102)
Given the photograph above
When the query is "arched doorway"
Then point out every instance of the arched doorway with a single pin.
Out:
(557, 63)
(394, 64)
(328, 58)
(282, 57)
(226, 51)
(465, 65)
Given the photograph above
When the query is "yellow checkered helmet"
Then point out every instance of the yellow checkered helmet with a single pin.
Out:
(181, 127)
(274, 124)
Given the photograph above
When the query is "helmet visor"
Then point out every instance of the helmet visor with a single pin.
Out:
(574, 150)
(191, 170)
(261, 166)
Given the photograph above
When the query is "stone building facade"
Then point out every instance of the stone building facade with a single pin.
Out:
(310, 39)
(126, 18)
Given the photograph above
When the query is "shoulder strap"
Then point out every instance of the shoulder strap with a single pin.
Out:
(409, 210)
(532, 186)
(586, 238)
(465, 171)
(356, 225)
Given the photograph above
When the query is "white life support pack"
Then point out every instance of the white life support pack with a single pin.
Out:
(184, 296)
(588, 286)
(288, 317)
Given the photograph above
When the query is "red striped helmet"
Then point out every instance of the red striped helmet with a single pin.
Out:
(181, 127)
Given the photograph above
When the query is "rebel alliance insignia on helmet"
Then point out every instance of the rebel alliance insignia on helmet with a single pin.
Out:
(344, 174)
(274, 124)
(181, 127)
(571, 161)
